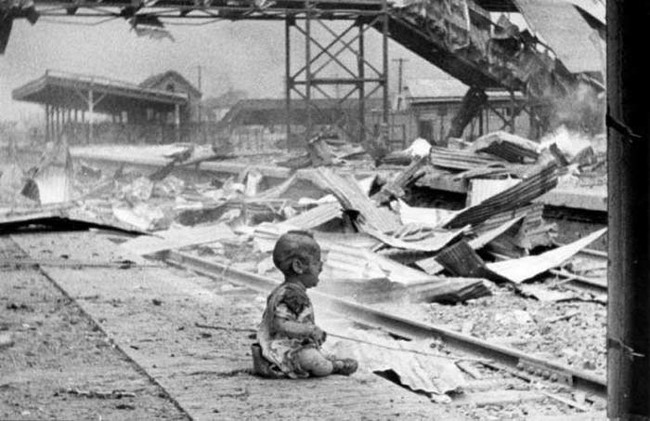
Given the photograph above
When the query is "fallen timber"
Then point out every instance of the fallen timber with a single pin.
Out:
(406, 328)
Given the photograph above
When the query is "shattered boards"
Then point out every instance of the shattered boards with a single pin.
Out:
(519, 270)
(179, 238)
(518, 195)
(353, 199)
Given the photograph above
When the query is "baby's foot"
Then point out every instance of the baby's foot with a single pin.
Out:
(345, 366)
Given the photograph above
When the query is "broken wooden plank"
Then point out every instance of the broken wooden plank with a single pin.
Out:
(178, 238)
(519, 270)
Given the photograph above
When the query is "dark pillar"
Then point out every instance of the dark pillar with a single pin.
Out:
(47, 122)
(628, 157)
(289, 21)
(361, 84)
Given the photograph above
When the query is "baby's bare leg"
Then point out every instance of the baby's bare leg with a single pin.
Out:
(314, 362)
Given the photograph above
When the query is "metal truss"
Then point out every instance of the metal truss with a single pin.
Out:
(335, 71)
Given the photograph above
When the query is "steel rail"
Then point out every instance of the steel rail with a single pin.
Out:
(402, 326)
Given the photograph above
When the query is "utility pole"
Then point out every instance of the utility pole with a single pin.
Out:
(400, 73)
(628, 152)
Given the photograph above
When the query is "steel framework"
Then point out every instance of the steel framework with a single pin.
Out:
(345, 52)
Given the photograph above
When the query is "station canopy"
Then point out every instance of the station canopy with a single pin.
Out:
(75, 91)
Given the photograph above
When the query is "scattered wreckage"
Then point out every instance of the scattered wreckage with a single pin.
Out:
(376, 245)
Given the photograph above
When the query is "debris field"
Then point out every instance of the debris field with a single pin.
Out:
(491, 268)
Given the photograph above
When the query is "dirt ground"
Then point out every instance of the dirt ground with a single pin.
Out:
(59, 365)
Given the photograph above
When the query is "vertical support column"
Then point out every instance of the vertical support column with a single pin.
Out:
(288, 23)
(47, 123)
(512, 107)
(361, 84)
(91, 110)
(628, 154)
(177, 121)
(57, 128)
(308, 77)
(384, 35)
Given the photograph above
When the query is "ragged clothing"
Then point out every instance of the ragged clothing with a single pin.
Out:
(288, 301)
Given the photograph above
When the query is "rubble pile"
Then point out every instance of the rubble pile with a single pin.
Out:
(381, 247)
(377, 247)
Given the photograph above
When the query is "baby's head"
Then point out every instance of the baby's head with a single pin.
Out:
(297, 256)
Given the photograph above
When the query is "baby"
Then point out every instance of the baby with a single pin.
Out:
(289, 340)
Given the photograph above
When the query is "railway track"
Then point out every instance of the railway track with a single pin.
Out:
(517, 363)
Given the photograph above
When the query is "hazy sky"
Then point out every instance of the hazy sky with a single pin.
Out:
(239, 55)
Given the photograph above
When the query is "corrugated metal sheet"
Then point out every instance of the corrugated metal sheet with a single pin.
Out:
(432, 240)
(521, 194)
(426, 216)
(414, 362)
(461, 260)
(490, 235)
(359, 240)
(481, 189)
(352, 263)
(266, 234)
(178, 238)
(517, 170)
(519, 270)
(508, 146)
(430, 265)
(566, 31)
(532, 215)
(315, 216)
(353, 198)
(463, 160)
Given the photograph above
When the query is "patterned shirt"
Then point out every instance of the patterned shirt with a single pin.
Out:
(288, 301)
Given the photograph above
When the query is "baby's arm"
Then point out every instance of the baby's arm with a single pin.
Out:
(299, 330)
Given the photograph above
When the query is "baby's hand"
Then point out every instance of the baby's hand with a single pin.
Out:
(318, 335)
